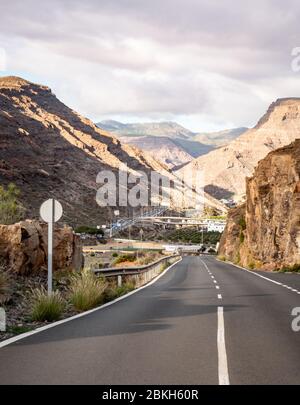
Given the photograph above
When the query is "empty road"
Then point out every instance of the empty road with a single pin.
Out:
(202, 322)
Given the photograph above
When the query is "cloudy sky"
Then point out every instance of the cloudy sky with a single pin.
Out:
(207, 64)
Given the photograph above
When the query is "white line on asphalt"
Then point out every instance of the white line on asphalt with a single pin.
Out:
(71, 318)
(222, 356)
(215, 282)
(265, 278)
(220, 296)
(217, 287)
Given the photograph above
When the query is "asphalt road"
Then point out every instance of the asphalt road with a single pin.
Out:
(202, 322)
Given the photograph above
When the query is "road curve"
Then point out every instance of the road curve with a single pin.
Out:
(203, 322)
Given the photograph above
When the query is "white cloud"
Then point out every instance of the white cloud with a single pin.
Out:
(203, 62)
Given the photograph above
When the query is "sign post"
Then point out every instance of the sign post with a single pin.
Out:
(51, 212)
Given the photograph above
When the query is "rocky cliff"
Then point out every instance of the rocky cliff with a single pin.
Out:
(265, 232)
(225, 169)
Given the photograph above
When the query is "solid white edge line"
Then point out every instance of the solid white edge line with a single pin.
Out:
(71, 318)
(222, 356)
(256, 274)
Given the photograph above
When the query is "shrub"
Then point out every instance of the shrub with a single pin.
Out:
(111, 293)
(44, 307)
(115, 254)
(125, 258)
(242, 237)
(5, 287)
(89, 230)
(242, 223)
(11, 210)
(86, 290)
(293, 268)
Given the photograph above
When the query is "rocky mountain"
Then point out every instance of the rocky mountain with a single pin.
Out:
(161, 148)
(265, 231)
(165, 129)
(226, 168)
(49, 150)
(168, 142)
(219, 138)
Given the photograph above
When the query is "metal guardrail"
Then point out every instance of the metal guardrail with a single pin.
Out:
(119, 271)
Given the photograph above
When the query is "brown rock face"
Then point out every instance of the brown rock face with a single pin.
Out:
(50, 151)
(230, 240)
(226, 168)
(272, 215)
(23, 246)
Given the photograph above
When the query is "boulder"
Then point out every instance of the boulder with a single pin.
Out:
(24, 245)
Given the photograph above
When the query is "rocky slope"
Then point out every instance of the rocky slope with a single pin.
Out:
(225, 169)
(49, 150)
(169, 129)
(219, 138)
(162, 148)
(265, 232)
(168, 142)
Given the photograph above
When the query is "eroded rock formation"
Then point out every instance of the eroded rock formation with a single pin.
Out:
(266, 231)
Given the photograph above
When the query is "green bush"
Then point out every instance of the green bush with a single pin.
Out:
(242, 237)
(86, 290)
(11, 210)
(125, 258)
(111, 293)
(115, 254)
(44, 307)
(294, 268)
(242, 223)
(90, 230)
(5, 287)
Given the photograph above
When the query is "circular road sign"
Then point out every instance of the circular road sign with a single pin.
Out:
(51, 210)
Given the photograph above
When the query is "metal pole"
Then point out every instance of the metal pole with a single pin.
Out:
(50, 249)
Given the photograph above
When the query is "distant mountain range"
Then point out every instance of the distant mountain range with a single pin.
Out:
(176, 145)
(226, 168)
(220, 138)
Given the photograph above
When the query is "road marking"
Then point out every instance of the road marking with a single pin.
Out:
(220, 296)
(71, 318)
(215, 282)
(217, 287)
(261, 276)
(222, 356)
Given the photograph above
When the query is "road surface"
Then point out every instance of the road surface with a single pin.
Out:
(202, 322)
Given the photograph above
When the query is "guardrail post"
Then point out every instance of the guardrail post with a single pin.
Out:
(2, 320)
(119, 281)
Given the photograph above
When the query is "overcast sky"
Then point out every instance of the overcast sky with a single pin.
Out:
(207, 64)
